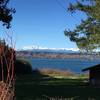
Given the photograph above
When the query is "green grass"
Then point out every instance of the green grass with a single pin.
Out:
(43, 87)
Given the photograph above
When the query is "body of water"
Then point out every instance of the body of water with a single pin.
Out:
(75, 65)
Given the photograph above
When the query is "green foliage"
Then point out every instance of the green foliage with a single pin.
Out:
(86, 35)
(6, 13)
(22, 67)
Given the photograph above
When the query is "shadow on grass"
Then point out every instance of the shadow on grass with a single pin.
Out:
(42, 87)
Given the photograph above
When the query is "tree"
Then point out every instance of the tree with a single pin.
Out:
(6, 13)
(7, 56)
(87, 34)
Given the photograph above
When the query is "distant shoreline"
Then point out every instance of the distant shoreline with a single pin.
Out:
(57, 55)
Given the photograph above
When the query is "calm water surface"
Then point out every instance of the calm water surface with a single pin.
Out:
(75, 65)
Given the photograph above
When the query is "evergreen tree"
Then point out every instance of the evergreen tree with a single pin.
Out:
(6, 13)
(87, 34)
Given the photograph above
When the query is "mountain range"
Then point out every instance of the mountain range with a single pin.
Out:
(39, 52)
(49, 50)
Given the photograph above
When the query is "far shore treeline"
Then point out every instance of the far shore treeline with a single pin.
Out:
(53, 54)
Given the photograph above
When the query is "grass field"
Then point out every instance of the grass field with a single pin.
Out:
(43, 87)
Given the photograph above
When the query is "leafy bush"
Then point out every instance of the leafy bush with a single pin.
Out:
(22, 67)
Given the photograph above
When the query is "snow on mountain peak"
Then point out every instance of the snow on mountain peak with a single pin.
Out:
(33, 47)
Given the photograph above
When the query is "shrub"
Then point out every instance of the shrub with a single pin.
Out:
(7, 59)
(22, 67)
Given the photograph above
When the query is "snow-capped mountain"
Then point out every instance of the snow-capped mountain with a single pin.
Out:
(45, 49)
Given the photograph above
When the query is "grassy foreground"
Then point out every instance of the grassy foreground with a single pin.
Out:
(43, 87)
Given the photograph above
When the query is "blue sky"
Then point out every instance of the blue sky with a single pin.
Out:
(42, 23)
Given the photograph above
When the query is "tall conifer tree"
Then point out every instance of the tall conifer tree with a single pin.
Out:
(87, 34)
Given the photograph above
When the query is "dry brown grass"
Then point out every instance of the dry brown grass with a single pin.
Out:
(56, 72)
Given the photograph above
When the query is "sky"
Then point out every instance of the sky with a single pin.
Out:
(42, 23)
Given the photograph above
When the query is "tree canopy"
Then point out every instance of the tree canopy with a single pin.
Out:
(87, 34)
(6, 13)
